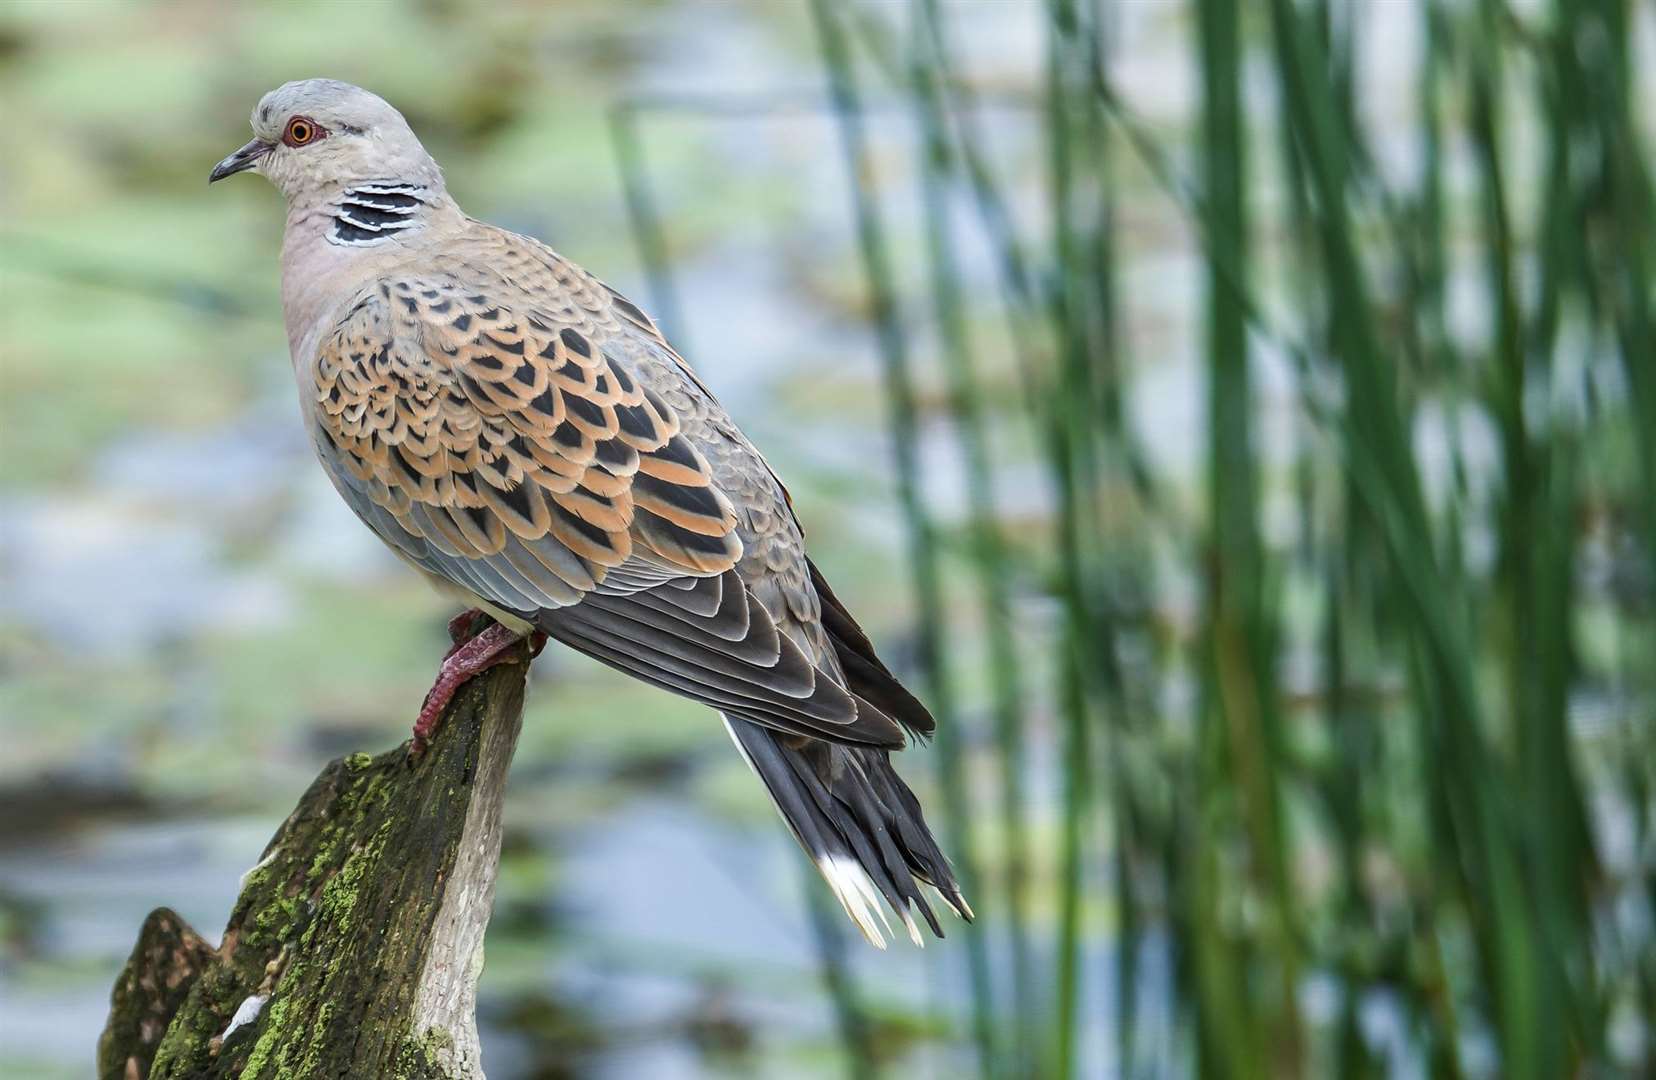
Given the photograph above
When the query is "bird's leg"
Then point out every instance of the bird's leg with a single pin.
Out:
(483, 651)
(464, 626)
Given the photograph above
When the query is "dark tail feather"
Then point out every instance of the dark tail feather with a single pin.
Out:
(858, 822)
(865, 674)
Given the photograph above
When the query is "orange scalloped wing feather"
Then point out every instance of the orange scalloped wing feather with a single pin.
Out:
(525, 461)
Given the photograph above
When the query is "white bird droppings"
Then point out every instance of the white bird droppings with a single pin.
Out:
(247, 1012)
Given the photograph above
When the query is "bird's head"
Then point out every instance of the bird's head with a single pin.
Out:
(316, 134)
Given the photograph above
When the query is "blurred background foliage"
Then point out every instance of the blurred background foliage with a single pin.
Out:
(1239, 421)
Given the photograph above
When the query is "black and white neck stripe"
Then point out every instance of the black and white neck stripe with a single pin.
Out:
(368, 213)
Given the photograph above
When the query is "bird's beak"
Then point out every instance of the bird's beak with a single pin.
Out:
(242, 160)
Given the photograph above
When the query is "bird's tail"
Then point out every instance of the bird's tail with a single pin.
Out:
(858, 822)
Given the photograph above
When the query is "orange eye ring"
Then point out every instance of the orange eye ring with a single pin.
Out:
(301, 130)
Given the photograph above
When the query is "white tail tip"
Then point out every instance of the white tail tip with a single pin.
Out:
(855, 892)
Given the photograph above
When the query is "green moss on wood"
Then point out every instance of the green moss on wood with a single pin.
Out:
(165, 963)
(422, 1056)
(334, 926)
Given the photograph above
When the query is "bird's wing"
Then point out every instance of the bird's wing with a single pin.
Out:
(846, 805)
(481, 424)
(774, 563)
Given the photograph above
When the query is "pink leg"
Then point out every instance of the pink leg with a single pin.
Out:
(461, 629)
(474, 657)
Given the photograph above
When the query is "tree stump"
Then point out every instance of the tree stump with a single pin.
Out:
(356, 943)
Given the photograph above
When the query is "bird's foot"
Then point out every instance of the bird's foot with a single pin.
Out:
(463, 627)
(471, 622)
(470, 657)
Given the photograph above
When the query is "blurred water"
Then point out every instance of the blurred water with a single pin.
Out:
(88, 886)
(657, 900)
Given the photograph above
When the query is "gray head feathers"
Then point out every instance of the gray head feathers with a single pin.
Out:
(354, 136)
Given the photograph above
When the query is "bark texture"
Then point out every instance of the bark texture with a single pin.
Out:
(356, 943)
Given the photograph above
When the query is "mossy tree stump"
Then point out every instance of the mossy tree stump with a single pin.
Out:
(356, 943)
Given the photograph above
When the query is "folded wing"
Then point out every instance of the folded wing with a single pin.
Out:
(493, 442)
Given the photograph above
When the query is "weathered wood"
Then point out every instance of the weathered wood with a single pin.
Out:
(164, 965)
(356, 943)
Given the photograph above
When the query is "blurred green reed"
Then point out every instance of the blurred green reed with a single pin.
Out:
(1436, 741)
(934, 651)
(1411, 721)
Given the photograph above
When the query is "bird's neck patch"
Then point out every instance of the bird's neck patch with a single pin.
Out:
(368, 213)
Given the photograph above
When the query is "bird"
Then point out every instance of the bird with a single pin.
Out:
(525, 437)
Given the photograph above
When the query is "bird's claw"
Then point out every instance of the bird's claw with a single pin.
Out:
(471, 656)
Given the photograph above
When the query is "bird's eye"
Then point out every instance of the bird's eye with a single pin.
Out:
(301, 130)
